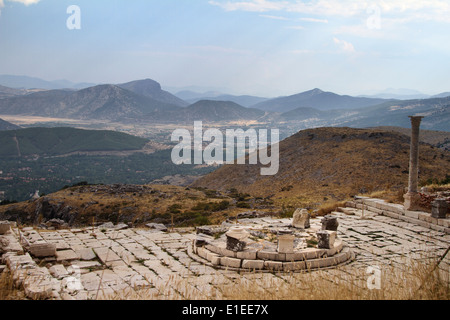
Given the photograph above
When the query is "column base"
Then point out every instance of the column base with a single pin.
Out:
(412, 201)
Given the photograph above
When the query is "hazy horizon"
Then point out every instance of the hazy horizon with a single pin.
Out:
(254, 47)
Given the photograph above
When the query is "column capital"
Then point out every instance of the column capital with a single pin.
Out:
(415, 120)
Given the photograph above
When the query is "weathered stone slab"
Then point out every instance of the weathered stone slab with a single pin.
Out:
(58, 271)
(273, 265)
(9, 243)
(14, 261)
(294, 266)
(85, 254)
(267, 255)
(106, 255)
(4, 227)
(247, 254)
(86, 264)
(213, 258)
(253, 264)
(66, 255)
(230, 262)
(43, 250)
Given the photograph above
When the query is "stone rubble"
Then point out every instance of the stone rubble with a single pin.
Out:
(301, 219)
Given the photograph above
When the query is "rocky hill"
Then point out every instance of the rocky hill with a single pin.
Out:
(208, 110)
(6, 92)
(87, 205)
(152, 89)
(439, 139)
(104, 102)
(325, 164)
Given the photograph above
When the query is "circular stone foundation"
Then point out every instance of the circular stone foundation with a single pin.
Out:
(270, 246)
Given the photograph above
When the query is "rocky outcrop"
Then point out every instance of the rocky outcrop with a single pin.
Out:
(46, 211)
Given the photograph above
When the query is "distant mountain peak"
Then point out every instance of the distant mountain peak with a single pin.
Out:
(144, 84)
(152, 89)
(316, 91)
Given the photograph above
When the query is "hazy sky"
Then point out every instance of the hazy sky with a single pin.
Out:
(261, 47)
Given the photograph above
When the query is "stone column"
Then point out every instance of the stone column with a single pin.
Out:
(286, 241)
(412, 198)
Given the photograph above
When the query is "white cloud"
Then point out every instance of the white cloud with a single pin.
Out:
(273, 17)
(253, 5)
(25, 2)
(419, 10)
(344, 45)
(314, 20)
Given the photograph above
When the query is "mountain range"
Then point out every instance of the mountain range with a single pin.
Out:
(404, 94)
(26, 82)
(316, 99)
(144, 101)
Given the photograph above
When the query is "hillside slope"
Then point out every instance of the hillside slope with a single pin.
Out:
(103, 102)
(395, 113)
(208, 110)
(5, 125)
(332, 164)
(59, 141)
(439, 139)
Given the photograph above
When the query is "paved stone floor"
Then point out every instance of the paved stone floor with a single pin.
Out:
(150, 264)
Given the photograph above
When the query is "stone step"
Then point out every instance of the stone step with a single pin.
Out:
(397, 211)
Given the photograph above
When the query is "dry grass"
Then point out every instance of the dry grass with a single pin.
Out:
(330, 207)
(438, 187)
(418, 283)
(8, 290)
(411, 280)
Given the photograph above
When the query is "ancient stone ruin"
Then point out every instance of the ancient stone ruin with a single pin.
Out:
(271, 245)
(412, 198)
